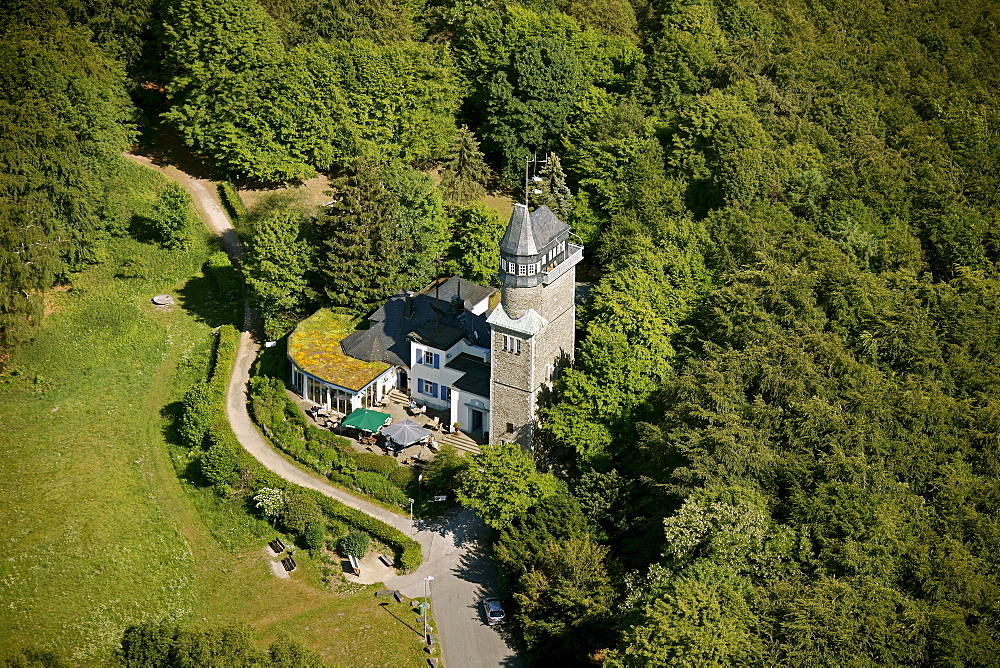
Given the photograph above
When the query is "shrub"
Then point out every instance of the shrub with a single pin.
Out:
(314, 536)
(354, 544)
(342, 479)
(300, 510)
(267, 400)
(368, 461)
(270, 501)
(337, 530)
(401, 477)
(231, 201)
(171, 217)
(134, 266)
(220, 463)
(199, 412)
(379, 486)
(320, 439)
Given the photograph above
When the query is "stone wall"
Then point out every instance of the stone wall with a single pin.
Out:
(517, 380)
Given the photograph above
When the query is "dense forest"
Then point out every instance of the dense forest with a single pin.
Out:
(779, 442)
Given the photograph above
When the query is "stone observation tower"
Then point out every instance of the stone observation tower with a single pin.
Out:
(534, 326)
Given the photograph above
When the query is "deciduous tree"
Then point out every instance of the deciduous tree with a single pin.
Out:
(502, 482)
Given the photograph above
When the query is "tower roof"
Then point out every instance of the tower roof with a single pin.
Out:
(529, 232)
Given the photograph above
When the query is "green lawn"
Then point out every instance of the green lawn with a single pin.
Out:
(98, 530)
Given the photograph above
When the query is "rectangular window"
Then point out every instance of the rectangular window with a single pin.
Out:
(512, 344)
(427, 387)
(427, 358)
(522, 270)
(531, 269)
(510, 427)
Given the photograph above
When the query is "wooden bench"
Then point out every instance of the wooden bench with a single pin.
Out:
(277, 546)
(387, 560)
(288, 563)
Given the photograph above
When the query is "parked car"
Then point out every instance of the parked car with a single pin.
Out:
(493, 609)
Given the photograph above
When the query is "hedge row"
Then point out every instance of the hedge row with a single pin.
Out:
(282, 421)
(205, 402)
(380, 487)
(227, 463)
(231, 201)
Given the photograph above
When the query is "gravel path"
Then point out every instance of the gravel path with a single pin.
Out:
(453, 547)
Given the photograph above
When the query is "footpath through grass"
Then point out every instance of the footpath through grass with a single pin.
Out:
(98, 531)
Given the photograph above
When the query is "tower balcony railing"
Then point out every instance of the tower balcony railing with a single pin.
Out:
(574, 253)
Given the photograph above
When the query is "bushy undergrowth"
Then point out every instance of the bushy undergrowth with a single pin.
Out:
(281, 421)
(235, 472)
(354, 544)
(231, 201)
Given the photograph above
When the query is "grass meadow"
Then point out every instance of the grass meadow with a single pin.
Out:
(100, 525)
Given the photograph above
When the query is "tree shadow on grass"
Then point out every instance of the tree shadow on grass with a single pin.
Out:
(271, 361)
(141, 229)
(214, 298)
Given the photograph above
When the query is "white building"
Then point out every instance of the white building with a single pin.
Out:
(457, 346)
(434, 343)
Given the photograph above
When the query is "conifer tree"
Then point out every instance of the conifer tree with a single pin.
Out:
(62, 113)
(275, 267)
(466, 172)
(555, 193)
(358, 262)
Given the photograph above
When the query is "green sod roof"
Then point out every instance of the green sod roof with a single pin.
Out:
(363, 418)
(315, 347)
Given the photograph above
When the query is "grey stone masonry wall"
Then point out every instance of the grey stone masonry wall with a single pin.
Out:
(517, 301)
(518, 380)
(511, 398)
(514, 407)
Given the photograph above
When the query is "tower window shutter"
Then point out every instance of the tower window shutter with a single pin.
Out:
(434, 388)
(437, 360)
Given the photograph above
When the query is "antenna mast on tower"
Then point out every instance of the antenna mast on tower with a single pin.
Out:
(532, 160)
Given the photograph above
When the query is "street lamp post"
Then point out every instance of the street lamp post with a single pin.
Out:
(429, 577)
(411, 517)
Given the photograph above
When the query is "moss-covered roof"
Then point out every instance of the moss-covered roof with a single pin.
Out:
(315, 347)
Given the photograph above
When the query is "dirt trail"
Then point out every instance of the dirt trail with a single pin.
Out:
(454, 555)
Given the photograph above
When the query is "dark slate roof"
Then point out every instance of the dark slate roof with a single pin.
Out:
(477, 374)
(528, 233)
(471, 293)
(438, 336)
(389, 330)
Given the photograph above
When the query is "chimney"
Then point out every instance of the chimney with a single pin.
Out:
(408, 310)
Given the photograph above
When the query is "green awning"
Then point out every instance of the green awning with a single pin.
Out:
(366, 420)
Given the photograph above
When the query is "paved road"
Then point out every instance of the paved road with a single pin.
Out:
(453, 547)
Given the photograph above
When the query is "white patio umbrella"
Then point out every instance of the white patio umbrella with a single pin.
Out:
(406, 432)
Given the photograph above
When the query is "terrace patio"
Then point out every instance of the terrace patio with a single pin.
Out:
(395, 406)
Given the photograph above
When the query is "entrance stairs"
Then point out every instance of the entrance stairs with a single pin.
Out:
(461, 440)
